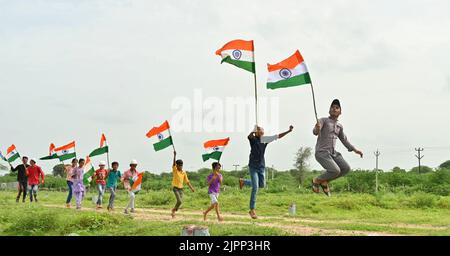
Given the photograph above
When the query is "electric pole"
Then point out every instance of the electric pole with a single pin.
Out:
(377, 154)
(419, 157)
(273, 169)
(235, 166)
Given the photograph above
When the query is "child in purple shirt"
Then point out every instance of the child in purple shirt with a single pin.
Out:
(214, 181)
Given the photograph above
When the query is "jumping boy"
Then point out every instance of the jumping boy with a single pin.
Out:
(328, 130)
(256, 165)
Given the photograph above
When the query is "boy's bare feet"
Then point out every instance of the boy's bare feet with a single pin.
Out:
(220, 218)
(204, 215)
(241, 183)
(173, 214)
(253, 214)
(67, 205)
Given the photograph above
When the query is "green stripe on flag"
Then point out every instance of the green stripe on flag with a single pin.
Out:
(293, 81)
(87, 177)
(214, 155)
(249, 66)
(54, 156)
(163, 144)
(99, 151)
(67, 156)
(13, 157)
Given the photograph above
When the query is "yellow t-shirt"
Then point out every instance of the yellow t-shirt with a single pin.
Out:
(178, 177)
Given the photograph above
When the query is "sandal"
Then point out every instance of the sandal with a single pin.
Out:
(326, 189)
(315, 187)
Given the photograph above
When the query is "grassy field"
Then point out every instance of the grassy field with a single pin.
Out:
(342, 214)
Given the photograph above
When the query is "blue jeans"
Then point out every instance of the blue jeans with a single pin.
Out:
(69, 196)
(256, 180)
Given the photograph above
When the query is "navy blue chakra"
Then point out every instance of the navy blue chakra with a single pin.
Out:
(285, 73)
(237, 54)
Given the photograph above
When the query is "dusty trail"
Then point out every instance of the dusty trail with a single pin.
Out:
(292, 226)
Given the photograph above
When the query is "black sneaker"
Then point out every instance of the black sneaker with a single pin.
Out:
(17, 200)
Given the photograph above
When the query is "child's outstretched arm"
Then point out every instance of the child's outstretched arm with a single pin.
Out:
(281, 135)
(191, 187)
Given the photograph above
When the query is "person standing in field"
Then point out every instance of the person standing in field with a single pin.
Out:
(178, 178)
(328, 130)
(214, 180)
(22, 178)
(100, 181)
(68, 169)
(113, 176)
(256, 165)
(77, 179)
(34, 173)
(132, 174)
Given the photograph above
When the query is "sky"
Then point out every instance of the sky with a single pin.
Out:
(71, 70)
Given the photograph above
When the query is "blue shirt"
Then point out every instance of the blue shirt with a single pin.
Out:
(113, 177)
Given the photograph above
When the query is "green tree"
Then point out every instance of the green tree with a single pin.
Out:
(445, 165)
(301, 163)
(58, 170)
(398, 169)
(423, 169)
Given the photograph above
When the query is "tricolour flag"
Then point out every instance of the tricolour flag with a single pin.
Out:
(214, 149)
(102, 149)
(162, 133)
(239, 53)
(66, 152)
(88, 171)
(51, 153)
(12, 154)
(136, 182)
(289, 72)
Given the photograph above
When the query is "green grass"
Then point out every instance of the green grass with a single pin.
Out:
(415, 214)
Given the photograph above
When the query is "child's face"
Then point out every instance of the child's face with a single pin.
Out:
(180, 167)
(335, 111)
(217, 168)
(115, 167)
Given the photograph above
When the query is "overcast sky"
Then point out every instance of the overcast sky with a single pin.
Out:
(70, 70)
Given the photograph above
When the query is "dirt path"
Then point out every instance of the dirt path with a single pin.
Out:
(292, 226)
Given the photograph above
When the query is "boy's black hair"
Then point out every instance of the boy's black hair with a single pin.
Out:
(74, 160)
(81, 160)
(113, 163)
(25, 157)
(336, 102)
(179, 162)
(215, 164)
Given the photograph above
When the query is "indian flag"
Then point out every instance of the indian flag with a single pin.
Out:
(51, 153)
(102, 149)
(88, 172)
(12, 154)
(136, 182)
(214, 149)
(239, 53)
(289, 72)
(162, 133)
(66, 152)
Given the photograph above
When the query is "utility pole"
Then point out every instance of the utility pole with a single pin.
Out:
(273, 169)
(235, 166)
(377, 154)
(419, 157)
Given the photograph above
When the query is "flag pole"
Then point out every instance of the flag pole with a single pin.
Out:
(256, 90)
(107, 156)
(314, 101)
(173, 145)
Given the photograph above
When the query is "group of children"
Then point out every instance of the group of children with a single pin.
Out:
(326, 129)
